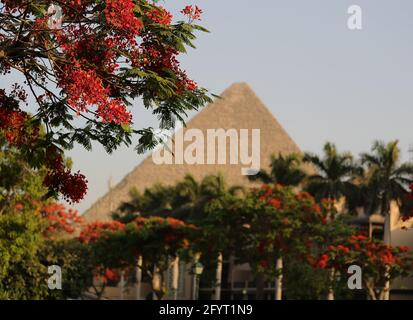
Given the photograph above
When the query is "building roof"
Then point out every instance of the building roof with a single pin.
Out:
(238, 108)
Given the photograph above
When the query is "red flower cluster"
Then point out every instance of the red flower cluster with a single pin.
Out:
(12, 119)
(173, 232)
(89, 55)
(266, 191)
(87, 89)
(161, 59)
(170, 222)
(359, 237)
(339, 248)
(387, 257)
(104, 275)
(175, 222)
(120, 14)
(73, 187)
(160, 15)
(84, 48)
(194, 13)
(12, 125)
(276, 203)
(379, 253)
(304, 196)
(111, 275)
(361, 250)
(59, 219)
(322, 262)
(93, 231)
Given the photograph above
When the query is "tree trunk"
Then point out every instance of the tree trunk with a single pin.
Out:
(386, 289)
(218, 278)
(330, 295)
(99, 293)
(387, 241)
(139, 278)
(175, 278)
(370, 290)
(122, 285)
(231, 274)
(157, 283)
(195, 279)
(387, 229)
(279, 279)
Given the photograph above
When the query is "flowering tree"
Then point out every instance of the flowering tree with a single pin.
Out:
(87, 61)
(34, 234)
(330, 233)
(159, 242)
(281, 222)
(223, 231)
(106, 255)
(92, 232)
(379, 262)
(115, 248)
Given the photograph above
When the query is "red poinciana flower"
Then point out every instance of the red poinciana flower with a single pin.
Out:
(104, 275)
(160, 15)
(276, 203)
(111, 275)
(93, 231)
(86, 89)
(73, 187)
(59, 219)
(361, 250)
(322, 262)
(120, 14)
(12, 119)
(194, 13)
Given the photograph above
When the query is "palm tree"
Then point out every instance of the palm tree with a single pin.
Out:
(335, 177)
(388, 181)
(285, 170)
(156, 200)
(186, 197)
(190, 200)
(191, 195)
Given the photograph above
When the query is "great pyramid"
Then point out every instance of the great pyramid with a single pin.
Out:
(238, 108)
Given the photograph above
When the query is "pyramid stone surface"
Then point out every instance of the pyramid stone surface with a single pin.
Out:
(238, 108)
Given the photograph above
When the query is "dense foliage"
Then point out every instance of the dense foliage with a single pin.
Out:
(83, 64)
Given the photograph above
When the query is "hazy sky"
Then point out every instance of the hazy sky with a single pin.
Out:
(322, 81)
